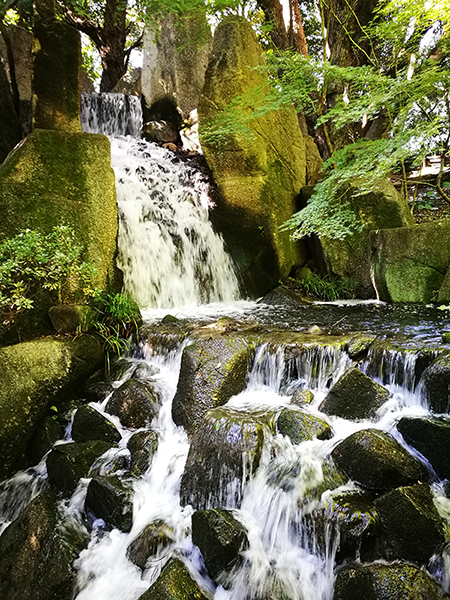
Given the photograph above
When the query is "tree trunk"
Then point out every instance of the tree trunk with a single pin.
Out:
(112, 49)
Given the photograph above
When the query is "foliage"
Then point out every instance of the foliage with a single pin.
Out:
(32, 260)
(326, 287)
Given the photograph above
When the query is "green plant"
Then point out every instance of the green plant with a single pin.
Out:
(31, 261)
(327, 288)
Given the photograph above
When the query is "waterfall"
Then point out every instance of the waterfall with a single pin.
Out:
(168, 251)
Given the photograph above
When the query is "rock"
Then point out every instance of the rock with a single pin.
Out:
(168, 319)
(304, 274)
(89, 424)
(376, 461)
(82, 196)
(135, 403)
(162, 132)
(431, 437)
(410, 262)
(383, 207)
(211, 372)
(398, 581)
(258, 172)
(48, 432)
(216, 457)
(96, 391)
(36, 555)
(302, 397)
(109, 499)
(9, 121)
(66, 318)
(436, 382)
(67, 463)
(130, 83)
(56, 72)
(174, 583)
(221, 539)
(300, 426)
(35, 376)
(354, 396)
(155, 537)
(412, 527)
(446, 337)
(283, 296)
(142, 446)
(358, 346)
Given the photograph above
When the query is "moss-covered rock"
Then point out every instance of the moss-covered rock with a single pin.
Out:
(211, 372)
(111, 500)
(174, 583)
(35, 375)
(135, 403)
(412, 527)
(36, 555)
(376, 461)
(225, 441)
(409, 263)
(155, 537)
(431, 437)
(221, 539)
(397, 581)
(88, 425)
(300, 426)
(142, 446)
(358, 346)
(354, 396)
(436, 381)
(258, 172)
(302, 397)
(67, 463)
(67, 318)
(381, 208)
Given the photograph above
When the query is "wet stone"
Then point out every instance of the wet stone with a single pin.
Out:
(89, 424)
(174, 583)
(142, 446)
(301, 426)
(49, 432)
(135, 403)
(354, 396)
(358, 346)
(221, 539)
(302, 397)
(109, 499)
(412, 527)
(376, 461)
(436, 380)
(153, 539)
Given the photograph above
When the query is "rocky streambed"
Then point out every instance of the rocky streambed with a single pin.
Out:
(238, 459)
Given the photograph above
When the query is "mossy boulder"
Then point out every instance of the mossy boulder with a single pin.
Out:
(412, 527)
(381, 208)
(67, 463)
(409, 263)
(211, 372)
(300, 426)
(67, 318)
(436, 381)
(111, 500)
(154, 538)
(221, 539)
(354, 396)
(358, 347)
(142, 446)
(88, 425)
(397, 581)
(217, 454)
(135, 403)
(259, 171)
(35, 375)
(431, 437)
(37, 555)
(174, 583)
(376, 461)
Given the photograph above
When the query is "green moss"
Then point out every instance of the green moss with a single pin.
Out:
(174, 583)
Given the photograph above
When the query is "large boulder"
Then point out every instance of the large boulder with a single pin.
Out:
(37, 556)
(300, 426)
(174, 583)
(88, 425)
(431, 437)
(35, 375)
(412, 527)
(221, 539)
(135, 403)
(226, 442)
(211, 372)
(111, 500)
(436, 382)
(376, 461)
(409, 263)
(398, 581)
(354, 396)
(260, 171)
(154, 538)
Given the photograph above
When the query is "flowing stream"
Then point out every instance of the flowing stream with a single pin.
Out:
(172, 259)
